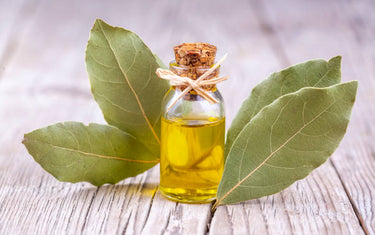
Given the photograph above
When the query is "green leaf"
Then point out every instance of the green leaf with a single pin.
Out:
(98, 154)
(285, 141)
(122, 69)
(313, 73)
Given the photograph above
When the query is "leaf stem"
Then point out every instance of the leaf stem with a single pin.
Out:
(216, 204)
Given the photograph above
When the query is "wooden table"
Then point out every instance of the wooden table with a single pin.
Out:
(43, 81)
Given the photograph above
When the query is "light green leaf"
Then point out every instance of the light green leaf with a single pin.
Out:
(122, 69)
(98, 154)
(285, 141)
(313, 73)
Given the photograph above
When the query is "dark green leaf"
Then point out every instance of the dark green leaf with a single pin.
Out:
(122, 69)
(98, 154)
(285, 141)
(314, 73)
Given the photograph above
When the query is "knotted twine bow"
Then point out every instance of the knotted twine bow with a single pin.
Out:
(190, 84)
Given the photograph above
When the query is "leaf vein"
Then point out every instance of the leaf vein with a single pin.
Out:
(324, 75)
(273, 153)
(94, 154)
(100, 63)
(283, 167)
(135, 56)
(106, 81)
(116, 105)
(243, 151)
(273, 124)
(131, 87)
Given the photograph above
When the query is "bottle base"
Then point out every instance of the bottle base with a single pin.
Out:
(193, 196)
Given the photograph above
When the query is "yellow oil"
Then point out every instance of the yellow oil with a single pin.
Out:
(192, 159)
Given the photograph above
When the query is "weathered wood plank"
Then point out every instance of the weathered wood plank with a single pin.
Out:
(307, 206)
(317, 204)
(16, 18)
(55, 88)
(346, 28)
(167, 217)
(357, 172)
(46, 82)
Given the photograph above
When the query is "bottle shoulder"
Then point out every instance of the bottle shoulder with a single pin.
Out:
(192, 105)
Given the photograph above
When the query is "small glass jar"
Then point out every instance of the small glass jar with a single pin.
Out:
(192, 141)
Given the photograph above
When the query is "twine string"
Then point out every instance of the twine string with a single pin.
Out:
(196, 85)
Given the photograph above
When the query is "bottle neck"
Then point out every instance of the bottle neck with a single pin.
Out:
(212, 88)
(194, 73)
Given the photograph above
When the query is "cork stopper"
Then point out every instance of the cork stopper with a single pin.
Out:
(195, 54)
(193, 60)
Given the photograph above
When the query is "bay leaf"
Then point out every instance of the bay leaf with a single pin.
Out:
(98, 154)
(121, 70)
(285, 141)
(313, 73)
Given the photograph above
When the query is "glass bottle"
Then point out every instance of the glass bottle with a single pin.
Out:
(192, 141)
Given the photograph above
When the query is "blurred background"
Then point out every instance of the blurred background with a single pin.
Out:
(43, 78)
(42, 44)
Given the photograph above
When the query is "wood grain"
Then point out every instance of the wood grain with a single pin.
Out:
(43, 81)
(314, 205)
(350, 32)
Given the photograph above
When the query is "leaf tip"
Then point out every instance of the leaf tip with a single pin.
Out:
(353, 85)
(99, 24)
(99, 21)
(338, 58)
(104, 25)
(24, 139)
(336, 61)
